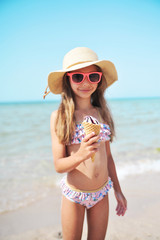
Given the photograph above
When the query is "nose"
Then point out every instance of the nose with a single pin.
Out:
(86, 81)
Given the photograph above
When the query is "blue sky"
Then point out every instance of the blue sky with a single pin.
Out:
(35, 35)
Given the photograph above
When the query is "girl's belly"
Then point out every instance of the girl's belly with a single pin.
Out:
(89, 175)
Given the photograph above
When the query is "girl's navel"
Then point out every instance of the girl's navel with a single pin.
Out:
(96, 175)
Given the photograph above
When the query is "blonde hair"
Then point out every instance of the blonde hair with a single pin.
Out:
(65, 122)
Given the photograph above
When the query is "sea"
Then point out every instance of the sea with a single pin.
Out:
(27, 171)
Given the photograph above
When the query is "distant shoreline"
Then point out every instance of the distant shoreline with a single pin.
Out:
(57, 101)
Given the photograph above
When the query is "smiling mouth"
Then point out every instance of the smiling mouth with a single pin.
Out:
(85, 90)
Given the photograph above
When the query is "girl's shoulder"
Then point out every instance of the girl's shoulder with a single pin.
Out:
(53, 117)
(54, 113)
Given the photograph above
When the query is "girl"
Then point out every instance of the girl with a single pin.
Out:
(82, 83)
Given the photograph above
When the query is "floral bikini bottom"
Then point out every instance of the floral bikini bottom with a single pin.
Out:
(85, 198)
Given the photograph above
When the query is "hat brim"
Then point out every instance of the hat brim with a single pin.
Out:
(109, 71)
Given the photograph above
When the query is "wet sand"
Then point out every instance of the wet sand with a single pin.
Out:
(41, 220)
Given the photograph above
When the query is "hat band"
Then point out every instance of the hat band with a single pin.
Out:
(77, 64)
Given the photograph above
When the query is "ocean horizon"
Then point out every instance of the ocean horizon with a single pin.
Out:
(55, 100)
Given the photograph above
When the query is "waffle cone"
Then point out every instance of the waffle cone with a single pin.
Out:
(89, 128)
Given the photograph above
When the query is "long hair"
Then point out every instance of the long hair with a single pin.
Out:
(65, 122)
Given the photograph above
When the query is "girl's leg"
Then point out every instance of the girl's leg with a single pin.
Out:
(97, 217)
(72, 217)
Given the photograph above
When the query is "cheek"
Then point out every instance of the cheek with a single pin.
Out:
(95, 86)
(73, 86)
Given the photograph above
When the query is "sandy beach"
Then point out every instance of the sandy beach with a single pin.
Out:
(41, 220)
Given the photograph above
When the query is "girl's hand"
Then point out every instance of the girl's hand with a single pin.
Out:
(121, 203)
(89, 146)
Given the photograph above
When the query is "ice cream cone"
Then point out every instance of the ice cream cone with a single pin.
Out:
(89, 128)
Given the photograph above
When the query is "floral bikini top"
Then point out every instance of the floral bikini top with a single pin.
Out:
(79, 133)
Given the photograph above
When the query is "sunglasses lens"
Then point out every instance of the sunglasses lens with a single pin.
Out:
(94, 77)
(77, 78)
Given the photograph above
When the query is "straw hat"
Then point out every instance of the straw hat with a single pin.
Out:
(75, 59)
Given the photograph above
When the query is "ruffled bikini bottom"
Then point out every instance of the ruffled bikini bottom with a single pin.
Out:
(85, 198)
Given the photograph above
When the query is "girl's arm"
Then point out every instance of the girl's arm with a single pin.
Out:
(112, 168)
(65, 163)
(121, 201)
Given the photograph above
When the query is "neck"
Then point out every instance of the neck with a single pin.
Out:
(83, 104)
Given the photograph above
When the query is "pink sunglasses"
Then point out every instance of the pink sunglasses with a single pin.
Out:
(78, 77)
